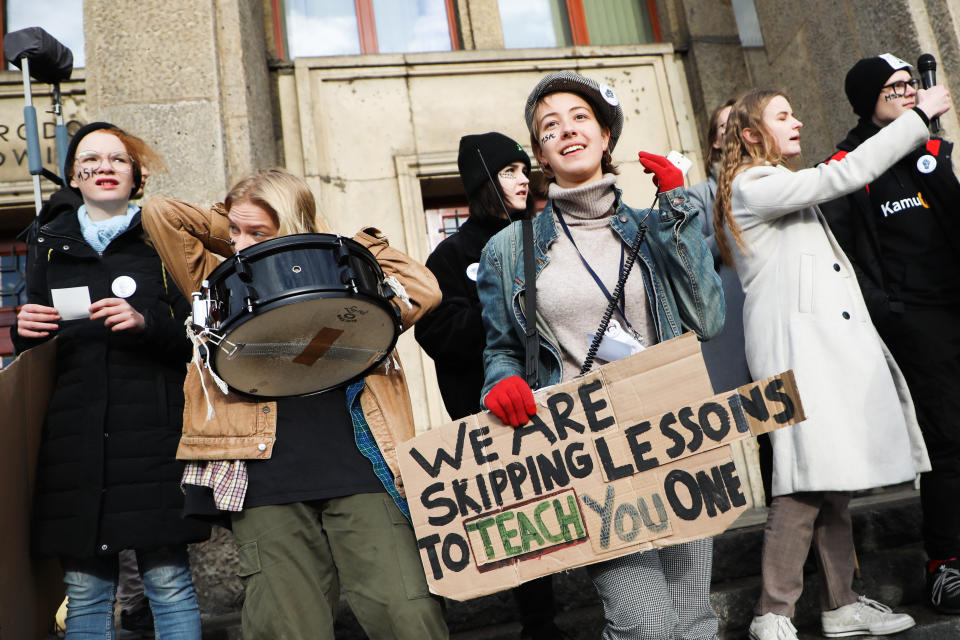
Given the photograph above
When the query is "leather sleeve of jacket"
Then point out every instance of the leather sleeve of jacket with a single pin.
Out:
(188, 239)
(418, 281)
(454, 327)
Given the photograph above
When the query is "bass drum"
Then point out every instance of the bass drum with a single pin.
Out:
(298, 315)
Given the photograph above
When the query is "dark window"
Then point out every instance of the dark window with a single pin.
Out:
(13, 283)
(12, 292)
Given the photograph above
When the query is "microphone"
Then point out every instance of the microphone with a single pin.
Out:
(927, 66)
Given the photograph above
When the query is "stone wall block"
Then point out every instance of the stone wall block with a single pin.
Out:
(150, 51)
(187, 136)
(884, 26)
(246, 91)
(710, 19)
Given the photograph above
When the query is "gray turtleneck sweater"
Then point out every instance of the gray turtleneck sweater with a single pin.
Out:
(567, 295)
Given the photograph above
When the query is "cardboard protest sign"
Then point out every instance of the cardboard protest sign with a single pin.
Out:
(30, 588)
(632, 456)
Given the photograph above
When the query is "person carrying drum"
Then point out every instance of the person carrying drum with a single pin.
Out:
(107, 479)
(311, 483)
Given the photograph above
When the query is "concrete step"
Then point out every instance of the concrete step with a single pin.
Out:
(887, 533)
(930, 626)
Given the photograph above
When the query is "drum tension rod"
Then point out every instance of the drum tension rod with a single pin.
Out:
(246, 278)
(347, 276)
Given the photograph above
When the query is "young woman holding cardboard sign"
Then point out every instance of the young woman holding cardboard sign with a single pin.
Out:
(580, 240)
(804, 311)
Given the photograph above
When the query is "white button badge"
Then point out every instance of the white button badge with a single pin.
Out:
(123, 286)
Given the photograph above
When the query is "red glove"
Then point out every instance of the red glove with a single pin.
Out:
(665, 174)
(511, 400)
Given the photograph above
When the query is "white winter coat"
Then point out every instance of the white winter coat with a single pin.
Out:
(804, 311)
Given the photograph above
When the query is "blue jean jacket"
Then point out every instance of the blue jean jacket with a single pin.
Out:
(683, 289)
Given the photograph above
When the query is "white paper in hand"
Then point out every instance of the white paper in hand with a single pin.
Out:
(72, 303)
(680, 161)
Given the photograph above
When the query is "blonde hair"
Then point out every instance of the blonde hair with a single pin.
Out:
(739, 154)
(283, 195)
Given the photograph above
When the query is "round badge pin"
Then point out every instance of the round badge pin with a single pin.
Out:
(123, 286)
(608, 94)
(926, 163)
(472, 271)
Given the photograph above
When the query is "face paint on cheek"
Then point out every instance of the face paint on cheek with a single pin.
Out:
(893, 96)
(85, 174)
(549, 136)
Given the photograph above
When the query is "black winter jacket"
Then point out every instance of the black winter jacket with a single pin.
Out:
(107, 478)
(853, 221)
(453, 334)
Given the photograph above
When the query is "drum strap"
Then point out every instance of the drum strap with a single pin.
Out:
(530, 297)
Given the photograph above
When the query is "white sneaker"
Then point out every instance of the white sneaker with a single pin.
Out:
(864, 617)
(770, 626)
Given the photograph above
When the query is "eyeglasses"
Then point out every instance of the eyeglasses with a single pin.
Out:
(119, 161)
(900, 86)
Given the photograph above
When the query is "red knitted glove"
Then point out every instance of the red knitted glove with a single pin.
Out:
(665, 174)
(511, 400)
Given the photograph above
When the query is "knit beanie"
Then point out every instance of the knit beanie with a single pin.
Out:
(493, 149)
(866, 78)
(601, 97)
(83, 132)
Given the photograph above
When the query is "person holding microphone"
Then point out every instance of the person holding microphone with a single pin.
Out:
(803, 311)
(901, 232)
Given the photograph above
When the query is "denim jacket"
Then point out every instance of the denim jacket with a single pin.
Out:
(683, 289)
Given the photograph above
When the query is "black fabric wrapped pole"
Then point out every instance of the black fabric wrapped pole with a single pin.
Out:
(50, 61)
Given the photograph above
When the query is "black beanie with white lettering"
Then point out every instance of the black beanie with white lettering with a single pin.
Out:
(865, 80)
(494, 150)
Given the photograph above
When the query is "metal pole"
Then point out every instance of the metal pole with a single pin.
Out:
(34, 159)
(61, 132)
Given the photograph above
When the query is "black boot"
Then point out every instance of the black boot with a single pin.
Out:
(943, 587)
(137, 623)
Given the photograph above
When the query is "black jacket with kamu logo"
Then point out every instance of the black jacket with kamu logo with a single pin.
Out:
(107, 478)
(901, 231)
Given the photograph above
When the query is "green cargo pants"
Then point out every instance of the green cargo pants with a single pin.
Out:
(296, 558)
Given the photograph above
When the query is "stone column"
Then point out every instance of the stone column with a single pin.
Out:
(479, 22)
(191, 78)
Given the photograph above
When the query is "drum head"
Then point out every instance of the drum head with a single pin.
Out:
(305, 344)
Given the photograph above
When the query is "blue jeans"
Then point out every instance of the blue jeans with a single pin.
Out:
(92, 586)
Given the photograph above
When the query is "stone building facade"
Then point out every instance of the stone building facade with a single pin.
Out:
(213, 85)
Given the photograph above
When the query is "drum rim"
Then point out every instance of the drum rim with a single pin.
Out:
(275, 304)
(269, 246)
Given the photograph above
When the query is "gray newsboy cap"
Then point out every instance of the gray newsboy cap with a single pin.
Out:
(601, 97)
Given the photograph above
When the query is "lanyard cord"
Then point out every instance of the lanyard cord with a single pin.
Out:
(621, 304)
(617, 292)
